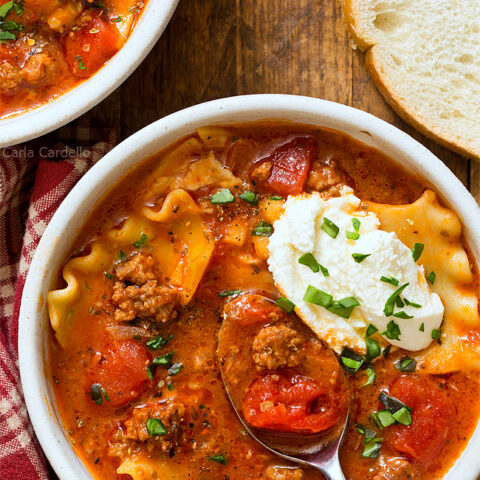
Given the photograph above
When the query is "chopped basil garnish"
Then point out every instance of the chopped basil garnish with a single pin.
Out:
(403, 315)
(329, 227)
(422, 327)
(263, 229)
(222, 197)
(317, 297)
(324, 270)
(118, 19)
(351, 361)
(109, 276)
(436, 334)
(158, 342)
(170, 386)
(175, 368)
(338, 309)
(5, 9)
(383, 418)
(371, 376)
(360, 257)
(276, 197)
(386, 351)
(373, 348)
(96, 392)
(371, 448)
(229, 293)
(411, 304)
(371, 330)
(393, 331)
(121, 255)
(391, 403)
(352, 235)
(363, 430)
(431, 277)
(403, 416)
(349, 302)
(356, 224)
(164, 359)
(140, 243)
(81, 65)
(309, 260)
(249, 197)
(390, 303)
(7, 36)
(155, 427)
(285, 304)
(406, 364)
(391, 280)
(220, 458)
(417, 251)
(399, 302)
(149, 374)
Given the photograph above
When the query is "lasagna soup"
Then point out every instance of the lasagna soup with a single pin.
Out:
(49, 46)
(310, 270)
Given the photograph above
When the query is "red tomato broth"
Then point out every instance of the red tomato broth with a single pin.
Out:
(57, 46)
(210, 423)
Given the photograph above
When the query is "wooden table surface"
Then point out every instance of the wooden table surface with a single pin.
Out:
(219, 48)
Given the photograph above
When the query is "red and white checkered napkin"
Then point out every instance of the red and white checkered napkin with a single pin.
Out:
(34, 179)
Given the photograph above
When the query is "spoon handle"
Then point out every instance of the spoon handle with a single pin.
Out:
(332, 470)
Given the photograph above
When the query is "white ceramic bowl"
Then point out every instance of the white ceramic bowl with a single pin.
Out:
(56, 113)
(58, 237)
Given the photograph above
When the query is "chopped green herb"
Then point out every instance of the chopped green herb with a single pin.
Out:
(349, 302)
(229, 293)
(386, 351)
(317, 297)
(393, 331)
(371, 376)
(403, 416)
(202, 406)
(363, 430)
(417, 251)
(6, 8)
(158, 342)
(406, 364)
(431, 277)
(422, 327)
(324, 270)
(11, 25)
(149, 374)
(249, 197)
(360, 257)
(399, 302)
(170, 386)
(81, 65)
(140, 243)
(411, 304)
(383, 418)
(220, 458)
(222, 197)
(121, 255)
(371, 448)
(390, 303)
(118, 19)
(285, 304)
(329, 227)
(109, 276)
(352, 235)
(338, 309)
(371, 330)
(155, 427)
(96, 392)
(175, 368)
(391, 280)
(391, 403)
(164, 360)
(403, 315)
(276, 197)
(18, 6)
(7, 36)
(351, 361)
(263, 229)
(356, 224)
(436, 334)
(373, 348)
(309, 260)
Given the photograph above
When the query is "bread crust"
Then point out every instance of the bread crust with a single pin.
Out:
(365, 41)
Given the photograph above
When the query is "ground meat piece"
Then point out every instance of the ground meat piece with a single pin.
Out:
(277, 346)
(148, 301)
(326, 175)
(395, 468)
(284, 473)
(262, 172)
(145, 298)
(10, 76)
(138, 270)
(38, 68)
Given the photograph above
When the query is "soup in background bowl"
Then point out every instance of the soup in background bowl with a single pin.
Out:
(337, 253)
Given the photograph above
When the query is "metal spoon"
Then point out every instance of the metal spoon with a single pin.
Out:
(319, 451)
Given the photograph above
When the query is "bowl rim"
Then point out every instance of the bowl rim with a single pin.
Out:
(73, 103)
(61, 230)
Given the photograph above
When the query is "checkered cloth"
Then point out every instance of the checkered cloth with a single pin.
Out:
(34, 179)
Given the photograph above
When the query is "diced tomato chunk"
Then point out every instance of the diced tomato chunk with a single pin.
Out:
(433, 413)
(285, 170)
(121, 369)
(87, 49)
(253, 308)
(290, 404)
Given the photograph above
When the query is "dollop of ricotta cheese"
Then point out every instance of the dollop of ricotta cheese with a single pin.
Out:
(299, 231)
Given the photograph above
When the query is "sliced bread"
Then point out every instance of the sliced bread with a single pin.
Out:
(424, 56)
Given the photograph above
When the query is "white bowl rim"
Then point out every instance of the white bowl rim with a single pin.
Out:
(83, 97)
(364, 126)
